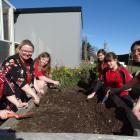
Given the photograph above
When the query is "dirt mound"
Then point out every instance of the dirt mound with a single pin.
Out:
(69, 111)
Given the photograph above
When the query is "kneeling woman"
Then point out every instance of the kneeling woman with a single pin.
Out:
(18, 73)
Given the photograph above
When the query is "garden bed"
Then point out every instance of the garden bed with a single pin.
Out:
(68, 111)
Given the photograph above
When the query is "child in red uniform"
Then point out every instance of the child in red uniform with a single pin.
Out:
(101, 66)
(42, 70)
(114, 79)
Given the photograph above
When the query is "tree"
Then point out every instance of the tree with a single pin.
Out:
(87, 50)
(91, 50)
(84, 48)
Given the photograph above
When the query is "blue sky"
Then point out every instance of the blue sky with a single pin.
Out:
(116, 22)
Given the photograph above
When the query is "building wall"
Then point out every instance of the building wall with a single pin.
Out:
(56, 33)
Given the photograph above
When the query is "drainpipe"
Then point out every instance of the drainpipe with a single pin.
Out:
(11, 35)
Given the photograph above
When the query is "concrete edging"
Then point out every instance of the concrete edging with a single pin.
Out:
(62, 136)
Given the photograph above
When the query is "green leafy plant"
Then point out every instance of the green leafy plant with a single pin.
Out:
(69, 77)
(87, 71)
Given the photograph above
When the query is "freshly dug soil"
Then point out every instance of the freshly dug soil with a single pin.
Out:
(69, 111)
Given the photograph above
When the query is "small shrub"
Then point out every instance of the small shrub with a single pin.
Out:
(70, 77)
(88, 72)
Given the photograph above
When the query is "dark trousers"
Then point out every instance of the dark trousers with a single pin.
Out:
(128, 100)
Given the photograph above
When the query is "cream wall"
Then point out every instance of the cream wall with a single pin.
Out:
(57, 33)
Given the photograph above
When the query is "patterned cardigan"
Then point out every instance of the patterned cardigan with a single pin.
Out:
(15, 74)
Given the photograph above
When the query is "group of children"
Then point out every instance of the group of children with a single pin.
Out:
(22, 77)
(112, 74)
(115, 78)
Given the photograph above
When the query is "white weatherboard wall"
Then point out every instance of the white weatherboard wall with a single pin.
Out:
(6, 29)
(56, 33)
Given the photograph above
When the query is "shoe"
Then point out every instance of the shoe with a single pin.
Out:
(91, 95)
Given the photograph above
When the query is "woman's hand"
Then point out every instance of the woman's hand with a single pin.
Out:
(4, 113)
(32, 93)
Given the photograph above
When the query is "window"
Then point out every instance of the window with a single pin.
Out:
(6, 29)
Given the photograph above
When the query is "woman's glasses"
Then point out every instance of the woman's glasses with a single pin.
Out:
(26, 51)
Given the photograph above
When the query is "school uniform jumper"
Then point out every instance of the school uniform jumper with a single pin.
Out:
(114, 79)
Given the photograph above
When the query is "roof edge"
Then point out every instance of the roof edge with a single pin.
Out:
(48, 10)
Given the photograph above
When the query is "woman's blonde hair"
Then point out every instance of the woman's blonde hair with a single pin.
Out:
(25, 42)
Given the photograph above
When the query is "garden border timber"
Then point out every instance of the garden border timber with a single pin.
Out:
(135, 123)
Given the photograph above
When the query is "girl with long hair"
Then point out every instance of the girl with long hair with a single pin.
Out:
(101, 65)
(42, 70)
